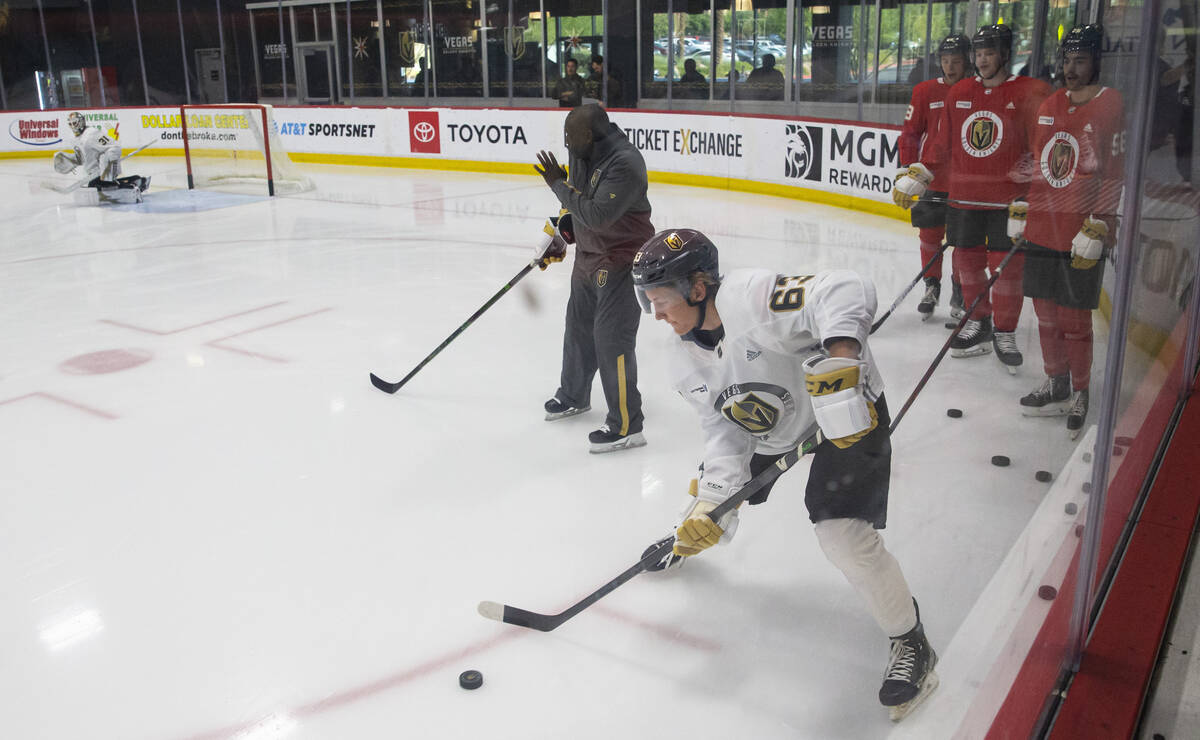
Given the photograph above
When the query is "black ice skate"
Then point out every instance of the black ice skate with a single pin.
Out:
(1051, 399)
(956, 302)
(605, 440)
(1078, 413)
(910, 676)
(973, 339)
(933, 291)
(556, 409)
(1005, 344)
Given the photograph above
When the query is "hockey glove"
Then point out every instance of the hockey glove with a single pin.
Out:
(1088, 245)
(1018, 211)
(835, 387)
(911, 184)
(64, 162)
(565, 224)
(699, 532)
(552, 248)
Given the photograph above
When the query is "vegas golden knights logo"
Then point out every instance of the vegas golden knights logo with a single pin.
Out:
(983, 133)
(601, 278)
(406, 56)
(752, 414)
(1062, 160)
(674, 242)
(514, 41)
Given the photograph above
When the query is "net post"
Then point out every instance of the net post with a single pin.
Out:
(187, 155)
(267, 149)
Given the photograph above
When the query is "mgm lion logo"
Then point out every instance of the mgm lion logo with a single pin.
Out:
(1060, 159)
(982, 133)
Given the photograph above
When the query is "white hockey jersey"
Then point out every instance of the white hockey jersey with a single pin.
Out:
(98, 154)
(749, 390)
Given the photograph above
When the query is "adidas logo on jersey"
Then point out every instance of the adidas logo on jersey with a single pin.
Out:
(1010, 106)
(752, 354)
(1087, 127)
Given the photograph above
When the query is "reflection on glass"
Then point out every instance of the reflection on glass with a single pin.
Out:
(71, 630)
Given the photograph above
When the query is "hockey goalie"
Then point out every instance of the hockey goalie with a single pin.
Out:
(99, 156)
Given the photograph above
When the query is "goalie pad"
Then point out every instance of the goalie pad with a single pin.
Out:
(835, 387)
(64, 162)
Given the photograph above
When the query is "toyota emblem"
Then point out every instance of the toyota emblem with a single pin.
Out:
(424, 132)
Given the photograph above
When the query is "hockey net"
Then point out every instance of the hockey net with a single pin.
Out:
(237, 147)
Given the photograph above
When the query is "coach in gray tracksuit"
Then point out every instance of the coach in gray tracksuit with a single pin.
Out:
(606, 196)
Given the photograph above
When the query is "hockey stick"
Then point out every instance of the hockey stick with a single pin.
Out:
(961, 322)
(917, 279)
(387, 387)
(64, 189)
(547, 622)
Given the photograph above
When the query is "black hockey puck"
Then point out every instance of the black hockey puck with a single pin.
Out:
(1043, 476)
(1047, 592)
(1087, 457)
(954, 413)
(470, 679)
(1000, 461)
(1071, 508)
(951, 324)
(1087, 487)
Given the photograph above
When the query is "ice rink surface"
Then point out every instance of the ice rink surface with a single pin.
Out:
(213, 526)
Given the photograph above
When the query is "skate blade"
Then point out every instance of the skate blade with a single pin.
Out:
(1012, 369)
(1046, 410)
(565, 414)
(900, 711)
(976, 351)
(633, 440)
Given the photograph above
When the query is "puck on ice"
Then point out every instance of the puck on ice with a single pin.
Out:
(1000, 461)
(470, 679)
(1087, 487)
(1047, 592)
(951, 324)
(1071, 508)
(1087, 457)
(1043, 476)
(954, 413)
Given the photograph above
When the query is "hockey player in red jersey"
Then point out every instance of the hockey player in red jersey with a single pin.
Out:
(929, 213)
(983, 137)
(1079, 147)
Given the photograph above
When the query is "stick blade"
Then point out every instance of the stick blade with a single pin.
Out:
(519, 617)
(491, 610)
(383, 385)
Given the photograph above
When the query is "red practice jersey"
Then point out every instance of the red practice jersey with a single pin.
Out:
(984, 135)
(1080, 153)
(921, 120)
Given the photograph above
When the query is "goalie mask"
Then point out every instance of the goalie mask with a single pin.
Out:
(669, 259)
(76, 123)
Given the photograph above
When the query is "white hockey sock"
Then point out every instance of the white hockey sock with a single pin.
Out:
(857, 550)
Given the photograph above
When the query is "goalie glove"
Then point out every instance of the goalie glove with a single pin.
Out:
(1088, 245)
(698, 531)
(911, 184)
(65, 162)
(835, 387)
(552, 248)
(1018, 212)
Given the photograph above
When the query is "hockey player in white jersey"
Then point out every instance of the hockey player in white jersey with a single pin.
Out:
(98, 154)
(766, 360)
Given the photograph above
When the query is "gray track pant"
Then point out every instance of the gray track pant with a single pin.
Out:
(601, 334)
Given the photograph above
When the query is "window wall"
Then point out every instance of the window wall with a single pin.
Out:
(849, 58)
